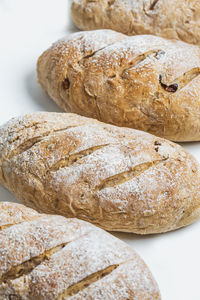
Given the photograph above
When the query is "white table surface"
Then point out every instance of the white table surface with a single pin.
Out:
(27, 27)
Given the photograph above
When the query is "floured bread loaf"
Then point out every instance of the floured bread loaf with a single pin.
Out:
(50, 257)
(179, 19)
(117, 178)
(143, 82)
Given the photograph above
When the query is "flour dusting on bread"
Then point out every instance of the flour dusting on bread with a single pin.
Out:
(144, 82)
(57, 258)
(117, 178)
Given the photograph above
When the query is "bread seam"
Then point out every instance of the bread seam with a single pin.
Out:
(24, 268)
(21, 148)
(73, 158)
(140, 58)
(123, 177)
(46, 255)
(26, 127)
(181, 81)
(86, 282)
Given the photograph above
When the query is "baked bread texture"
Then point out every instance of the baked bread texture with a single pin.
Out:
(174, 19)
(142, 82)
(117, 178)
(51, 257)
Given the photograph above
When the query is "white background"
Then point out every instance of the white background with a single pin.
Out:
(27, 28)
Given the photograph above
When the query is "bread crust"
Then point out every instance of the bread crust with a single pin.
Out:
(142, 82)
(174, 19)
(117, 178)
(50, 257)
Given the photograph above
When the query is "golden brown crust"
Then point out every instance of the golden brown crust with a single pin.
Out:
(178, 19)
(117, 178)
(142, 82)
(56, 258)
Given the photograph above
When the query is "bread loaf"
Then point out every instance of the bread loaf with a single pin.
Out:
(117, 178)
(143, 82)
(50, 257)
(179, 19)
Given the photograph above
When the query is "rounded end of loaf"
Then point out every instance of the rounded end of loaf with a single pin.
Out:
(48, 75)
(83, 17)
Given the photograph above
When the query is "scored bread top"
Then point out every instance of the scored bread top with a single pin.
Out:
(50, 257)
(167, 18)
(117, 178)
(143, 82)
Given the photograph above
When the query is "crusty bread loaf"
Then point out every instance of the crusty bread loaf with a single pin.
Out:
(50, 257)
(179, 19)
(143, 82)
(117, 178)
